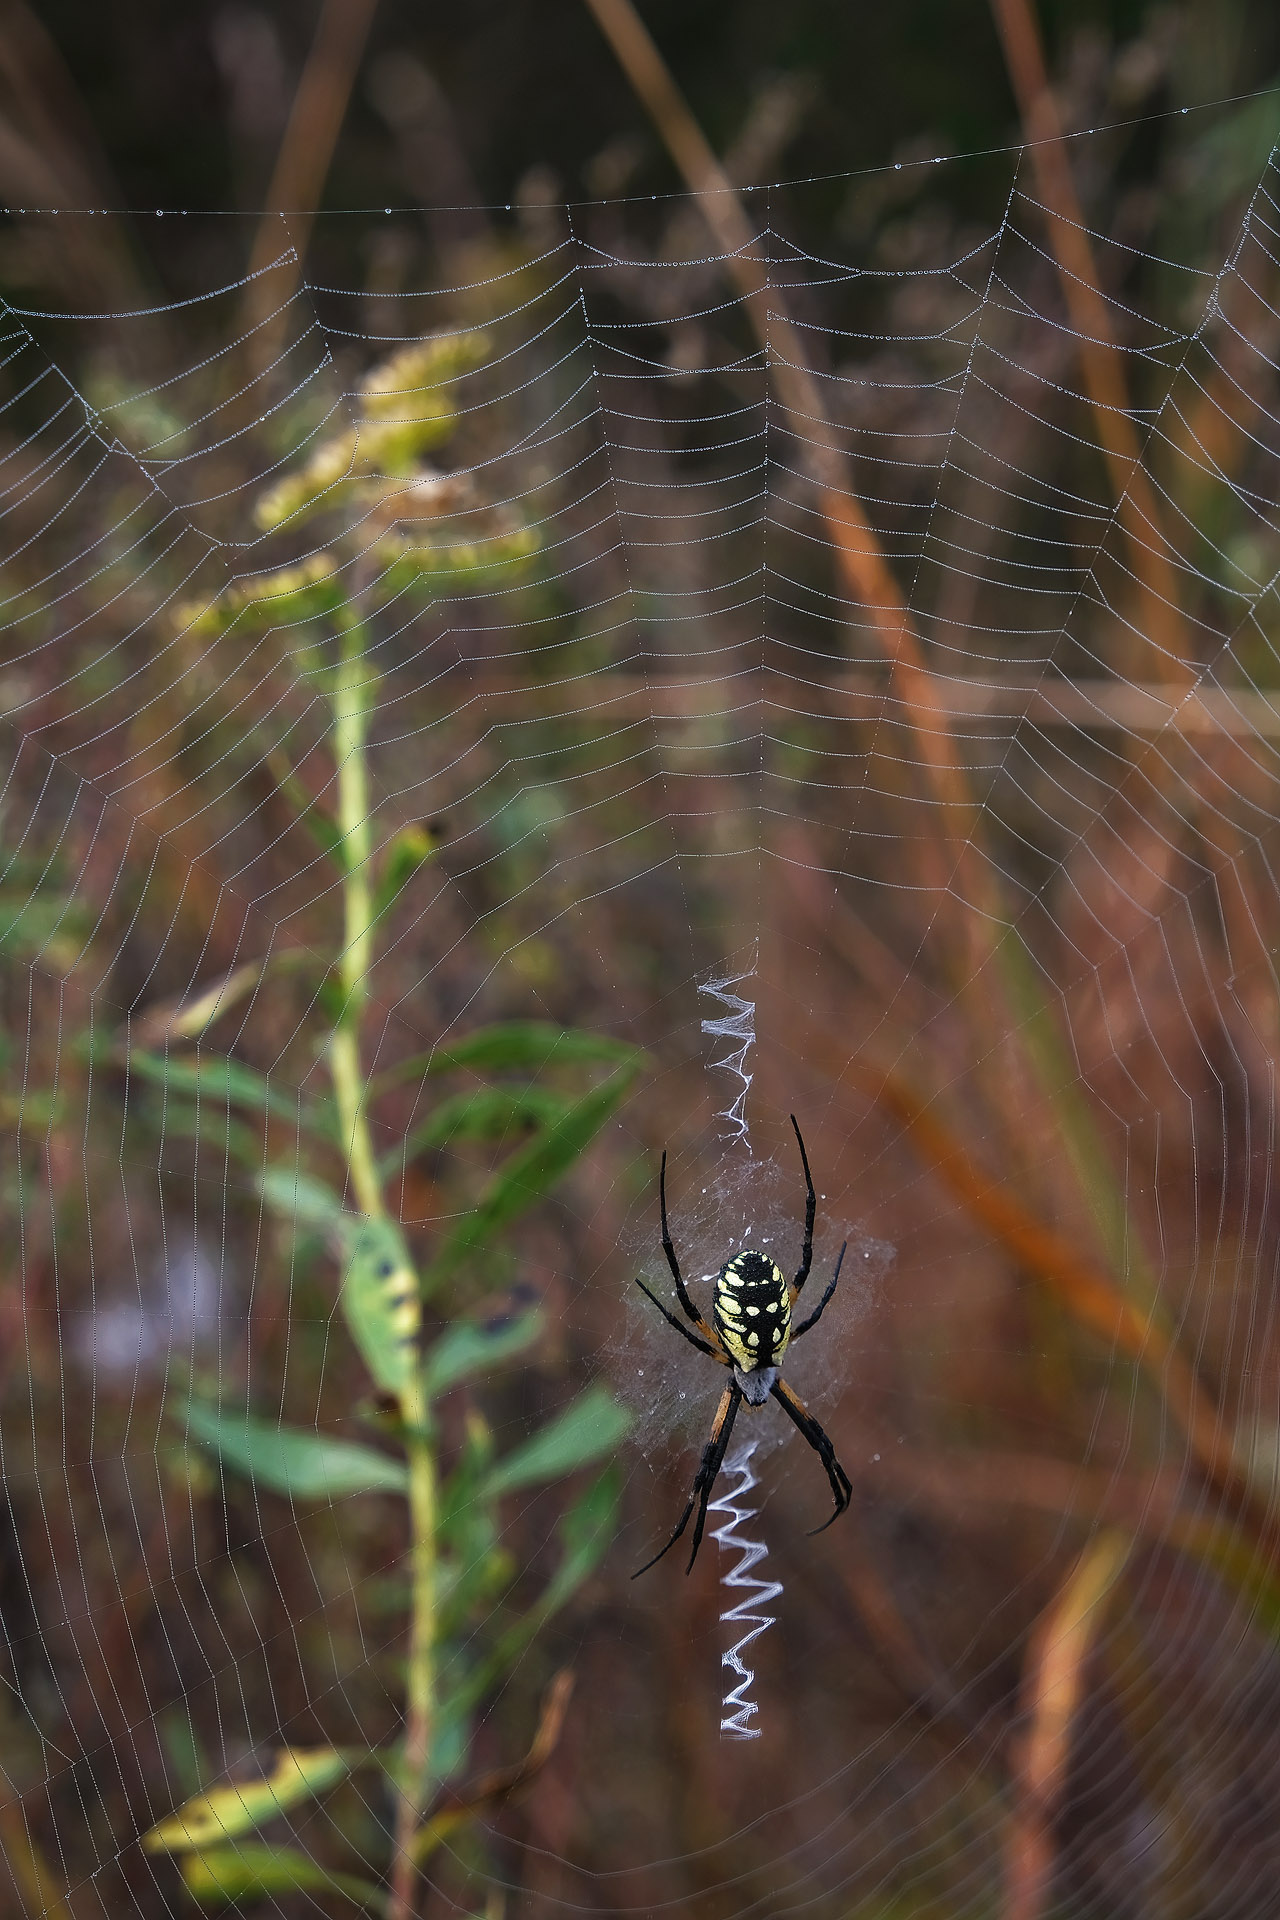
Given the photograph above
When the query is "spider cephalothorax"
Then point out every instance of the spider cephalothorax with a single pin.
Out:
(749, 1332)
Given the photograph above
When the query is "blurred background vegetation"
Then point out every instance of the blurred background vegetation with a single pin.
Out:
(1036, 1669)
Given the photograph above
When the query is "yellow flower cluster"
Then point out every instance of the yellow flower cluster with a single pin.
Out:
(294, 593)
(469, 561)
(407, 406)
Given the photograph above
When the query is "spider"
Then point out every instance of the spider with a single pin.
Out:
(751, 1311)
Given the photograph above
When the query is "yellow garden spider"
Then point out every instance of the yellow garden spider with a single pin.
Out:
(751, 1310)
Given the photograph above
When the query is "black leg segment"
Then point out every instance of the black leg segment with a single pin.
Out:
(708, 1473)
(682, 1292)
(810, 1213)
(703, 1346)
(795, 1410)
(816, 1315)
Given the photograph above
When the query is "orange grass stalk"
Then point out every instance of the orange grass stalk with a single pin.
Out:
(1052, 1685)
(866, 573)
(1101, 361)
(1084, 1288)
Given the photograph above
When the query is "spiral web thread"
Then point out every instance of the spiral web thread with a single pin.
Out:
(738, 1708)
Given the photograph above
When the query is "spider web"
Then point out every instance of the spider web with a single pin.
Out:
(1028, 1020)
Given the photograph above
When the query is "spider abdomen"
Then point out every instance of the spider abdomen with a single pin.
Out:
(752, 1311)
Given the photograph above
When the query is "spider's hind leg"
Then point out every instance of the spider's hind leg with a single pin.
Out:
(708, 1473)
(795, 1409)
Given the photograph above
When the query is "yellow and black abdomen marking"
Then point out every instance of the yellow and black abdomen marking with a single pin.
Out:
(752, 1311)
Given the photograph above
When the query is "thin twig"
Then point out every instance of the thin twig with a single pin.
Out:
(492, 1791)
(1101, 356)
(302, 167)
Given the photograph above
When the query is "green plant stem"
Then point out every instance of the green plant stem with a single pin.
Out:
(350, 1093)
(351, 703)
(351, 699)
(350, 735)
(420, 1690)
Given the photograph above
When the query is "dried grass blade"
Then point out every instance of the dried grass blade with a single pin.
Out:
(1053, 1682)
(1083, 1288)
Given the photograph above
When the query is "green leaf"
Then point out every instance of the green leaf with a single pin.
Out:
(381, 1299)
(593, 1425)
(245, 1872)
(468, 1349)
(306, 808)
(407, 852)
(292, 1460)
(585, 1533)
(381, 1292)
(226, 1083)
(224, 1813)
(181, 1121)
(524, 1045)
(302, 1200)
(1238, 1560)
(527, 1174)
(475, 1576)
(486, 1113)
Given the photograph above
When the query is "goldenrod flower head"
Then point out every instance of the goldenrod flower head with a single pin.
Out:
(295, 593)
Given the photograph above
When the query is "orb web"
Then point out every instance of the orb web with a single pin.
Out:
(1012, 894)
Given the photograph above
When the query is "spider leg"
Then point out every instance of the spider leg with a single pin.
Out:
(816, 1315)
(703, 1346)
(708, 1473)
(810, 1212)
(795, 1410)
(682, 1292)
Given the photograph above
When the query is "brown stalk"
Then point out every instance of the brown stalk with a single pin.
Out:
(1101, 360)
(867, 576)
(302, 167)
(1084, 1289)
(491, 1791)
(1211, 435)
(1052, 1686)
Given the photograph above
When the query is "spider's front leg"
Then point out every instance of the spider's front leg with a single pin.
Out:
(810, 1213)
(668, 1247)
(708, 1473)
(703, 1346)
(816, 1315)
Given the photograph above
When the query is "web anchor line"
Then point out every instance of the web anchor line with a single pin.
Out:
(737, 1024)
(737, 1708)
